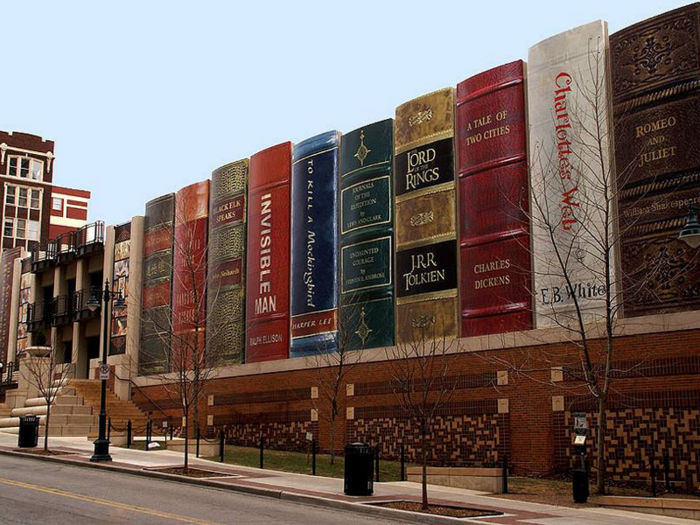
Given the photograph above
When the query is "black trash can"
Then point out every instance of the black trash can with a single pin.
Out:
(28, 431)
(581, 490)
(359, 467)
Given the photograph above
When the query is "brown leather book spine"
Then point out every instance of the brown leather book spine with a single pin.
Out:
(656, 93)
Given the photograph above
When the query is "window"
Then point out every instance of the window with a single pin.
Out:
(34, 202)
(9, 228)
(33, 230)
(57, 204)
(26, 168)
(22, 201)
(21, 228)
(36, 169)
(10, 195)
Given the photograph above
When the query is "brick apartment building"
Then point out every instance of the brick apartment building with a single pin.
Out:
(26, 170)
(34, 210)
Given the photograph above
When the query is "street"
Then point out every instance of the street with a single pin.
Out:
(41, 492)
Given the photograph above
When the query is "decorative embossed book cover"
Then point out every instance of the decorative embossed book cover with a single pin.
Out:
(267, 298)
(427, 304)
(314, 275)
(494, 221)
(572, 194)
(656, 89)
(156, 285)
(120, 284)
(226, 271)
(190, 269)
(367, 237)
(7, 265)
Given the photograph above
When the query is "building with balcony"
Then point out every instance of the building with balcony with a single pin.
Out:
(56, 284)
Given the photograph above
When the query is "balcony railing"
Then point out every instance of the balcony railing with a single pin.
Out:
(38, 316)
(44, 258)
(65, 247)
(90, 238)
(62, 310)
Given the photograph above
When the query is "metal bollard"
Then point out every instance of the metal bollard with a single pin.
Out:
(222, 444)
(172, 429)
(376, 462)
(109, 428)
(667, 471)
(262, 447)
(128, 434)
(197, 434)
(505, 474)
(403, 463)
(653, 477)
(313, 457)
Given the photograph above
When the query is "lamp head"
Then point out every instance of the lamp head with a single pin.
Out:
(690, 234)
(93, 303)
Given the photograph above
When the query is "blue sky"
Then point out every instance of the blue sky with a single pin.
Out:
(143, 98)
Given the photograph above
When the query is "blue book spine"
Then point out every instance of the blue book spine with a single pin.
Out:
(315, 246)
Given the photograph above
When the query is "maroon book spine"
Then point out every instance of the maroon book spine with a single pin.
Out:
(268, 255)
(493, 178)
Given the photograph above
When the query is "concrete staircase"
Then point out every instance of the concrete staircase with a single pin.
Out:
(119, 411)
(69, 416)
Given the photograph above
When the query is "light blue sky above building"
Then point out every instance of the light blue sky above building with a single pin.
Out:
(143, 98)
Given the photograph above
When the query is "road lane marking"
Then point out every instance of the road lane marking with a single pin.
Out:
(105, 502)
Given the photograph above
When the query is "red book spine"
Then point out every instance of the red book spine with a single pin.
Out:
(190, 267)
(493, 176)
(268, 257)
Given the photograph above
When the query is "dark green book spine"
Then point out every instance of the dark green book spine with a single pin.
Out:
(367, 237)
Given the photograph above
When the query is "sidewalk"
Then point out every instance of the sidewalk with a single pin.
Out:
(329, 491)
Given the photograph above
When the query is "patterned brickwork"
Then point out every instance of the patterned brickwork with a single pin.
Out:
(278, 435)
(650, 426)
(477, 439)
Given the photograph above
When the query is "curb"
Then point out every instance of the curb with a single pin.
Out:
(362, 508)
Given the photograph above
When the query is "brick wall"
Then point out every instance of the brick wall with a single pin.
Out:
(503, 402)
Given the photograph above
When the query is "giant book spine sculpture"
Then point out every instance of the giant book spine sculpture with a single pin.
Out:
(494, 220)
(267, 302)
(315, 272)
(190, 274)
(367, 237)
(572, 194)
(226, 271)
(156, 285)
(656, 90)
(427, 303)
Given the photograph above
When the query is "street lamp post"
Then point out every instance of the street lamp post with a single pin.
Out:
(101, 452)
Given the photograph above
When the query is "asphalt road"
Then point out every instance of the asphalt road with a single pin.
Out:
(34, 491)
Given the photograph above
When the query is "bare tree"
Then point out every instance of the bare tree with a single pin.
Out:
(332, 370)
(420, 383)
(48, 376)
(181, 326)
(578, 238)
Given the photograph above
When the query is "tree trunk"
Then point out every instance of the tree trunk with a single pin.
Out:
(332, 440)
(600, 439)
(46, 427)
(424, 476)
(187, 438)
